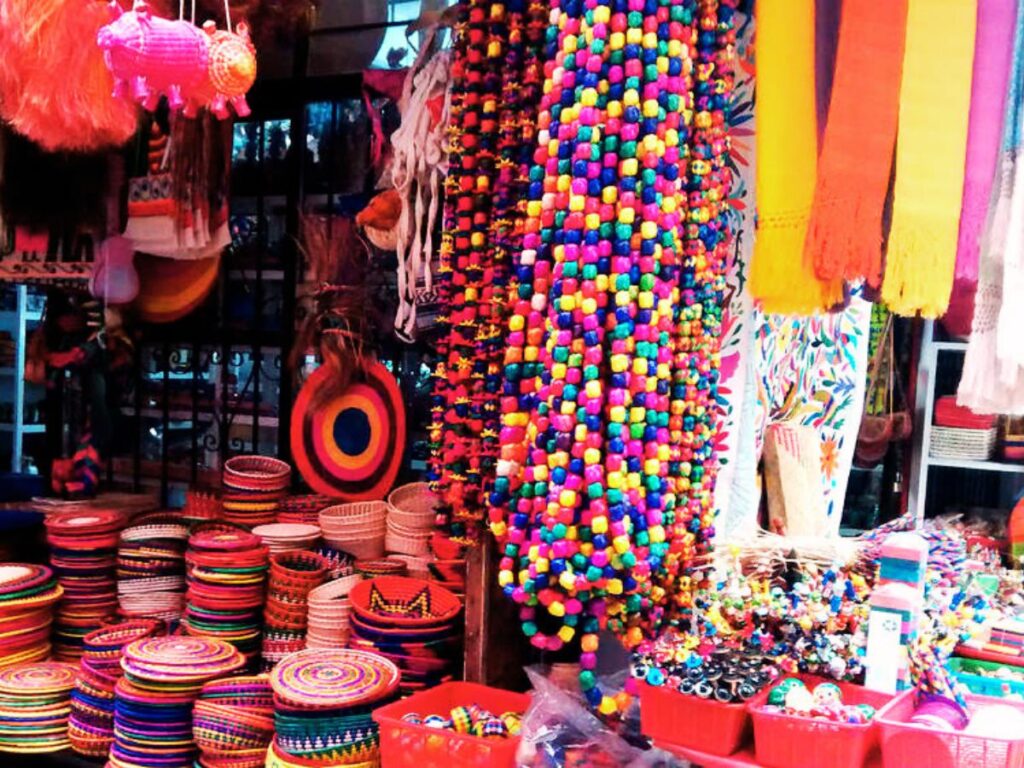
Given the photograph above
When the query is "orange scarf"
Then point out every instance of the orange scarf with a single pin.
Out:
(844, 237)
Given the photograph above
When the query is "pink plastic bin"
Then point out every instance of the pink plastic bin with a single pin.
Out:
(905, 745)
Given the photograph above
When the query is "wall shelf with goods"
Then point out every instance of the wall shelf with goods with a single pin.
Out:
(21, 417)
(952, 476)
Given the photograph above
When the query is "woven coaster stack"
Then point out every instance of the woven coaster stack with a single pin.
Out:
(91, 725)
(28, 594)
(303, 509)
(35, 700)
(153, 709)
(323, 703)
(358, 528)
(83, 553)
(233, 722)
(292, 576)
(414, 623)
(253, 486)
(329, 610)
(151, 568)
(226, 571)
(411, 519)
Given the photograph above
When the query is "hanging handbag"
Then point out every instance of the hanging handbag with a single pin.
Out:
(894, 423)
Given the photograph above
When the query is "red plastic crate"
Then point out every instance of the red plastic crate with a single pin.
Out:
(905, 745)
(788, 741)
(691, 722)
(406, 745)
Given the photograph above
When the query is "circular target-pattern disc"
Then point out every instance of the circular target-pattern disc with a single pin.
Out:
(333, 678)
(350, 447)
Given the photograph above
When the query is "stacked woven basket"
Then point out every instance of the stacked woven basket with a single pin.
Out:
(303, 509)
(226, 573)
(253, 487)
(91, 725)
(410, 520)
(151, 568)
(35, 701)
(288, 537)
(292, 576)
(358, 528)
(28, 594)
(329, 611)
(323, 702)
(153, 707)
(959, 433)
(83, 552)
(233, 722)
(414, 623)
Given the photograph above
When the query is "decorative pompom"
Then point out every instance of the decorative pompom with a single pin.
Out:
(54, 87)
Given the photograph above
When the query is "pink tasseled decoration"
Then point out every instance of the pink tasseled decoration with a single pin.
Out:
(150, 56)
(54, 86)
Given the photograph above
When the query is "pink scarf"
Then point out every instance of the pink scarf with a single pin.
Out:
(992, 52)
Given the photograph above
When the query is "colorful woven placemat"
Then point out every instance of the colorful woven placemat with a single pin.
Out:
(333, 679)
(34, 707)
(83, 548)
(349, 444)
(28, 594)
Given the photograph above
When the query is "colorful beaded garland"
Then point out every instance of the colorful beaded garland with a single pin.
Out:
(495, 86)
(603, 489)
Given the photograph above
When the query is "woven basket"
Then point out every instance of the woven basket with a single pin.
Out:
(965, 444)
(358, 514)
(366, 548)
(406, 545)
(412, 505)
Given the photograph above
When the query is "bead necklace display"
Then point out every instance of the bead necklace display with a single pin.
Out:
(495, 84)
(610, 360)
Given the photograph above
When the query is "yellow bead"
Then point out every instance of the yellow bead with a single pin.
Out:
(609, 195)
(602, 14)
(619, 363)
(567, 498)
(621, 544)
(614, 481)
(566, 581)
(558, 371)
(505, 578)
(614, 586)
(541, 565)
(566, 634)
(649, 230)
(607, 706)
(614, 109)
(651, 108)
(627, 215)
(577, 202)
(557, 609)
(634, 36)
(591, 456)
(652, 466)
(533, 208)
(616, 40)
(588, 97)
(631, 97)
(589, 307)
(592, 221)
(567, 303)
(650, 40)
(599, 524)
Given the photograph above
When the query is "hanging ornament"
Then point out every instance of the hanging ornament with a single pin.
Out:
(194, 68)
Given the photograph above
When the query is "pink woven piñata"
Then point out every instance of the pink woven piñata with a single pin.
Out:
(150, 56)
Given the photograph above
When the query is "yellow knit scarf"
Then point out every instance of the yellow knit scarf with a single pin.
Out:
(787, 147)
(935, 98)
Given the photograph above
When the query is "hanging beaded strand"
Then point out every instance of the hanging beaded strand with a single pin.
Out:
(586, 455)
(498, 79)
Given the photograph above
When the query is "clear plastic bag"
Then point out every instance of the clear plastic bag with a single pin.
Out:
(559, 731)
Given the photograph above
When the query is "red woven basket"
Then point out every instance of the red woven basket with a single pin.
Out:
(404, 602)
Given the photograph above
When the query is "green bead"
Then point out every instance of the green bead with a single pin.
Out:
(628, 149)
(559, 530)
(594, 574)
(529, 628)
(646, 282)
(587, 680)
